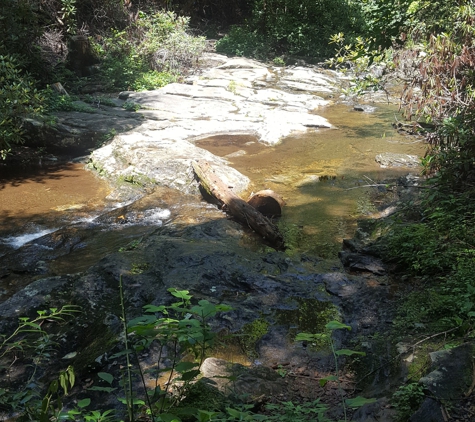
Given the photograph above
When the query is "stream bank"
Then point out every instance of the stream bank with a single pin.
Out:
(162, 235)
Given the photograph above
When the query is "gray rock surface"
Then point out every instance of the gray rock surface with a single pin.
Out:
(238, 96)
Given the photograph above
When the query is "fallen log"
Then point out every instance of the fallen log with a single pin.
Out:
(267, 202)
(213, 186)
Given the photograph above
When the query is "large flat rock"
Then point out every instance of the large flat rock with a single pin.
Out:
(236, 96)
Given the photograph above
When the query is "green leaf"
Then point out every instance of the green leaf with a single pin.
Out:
(358, 401)
(181, 294)
(323, 381)
(190, 375)
(348, 352)
(153, 308)
(84, 403)
(168, 417)
(336, 325)
(310, 337)
(106, 377)
(185, 366)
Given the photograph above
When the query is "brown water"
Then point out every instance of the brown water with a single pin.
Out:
(321, 175)
(48, 195)
(317, 173)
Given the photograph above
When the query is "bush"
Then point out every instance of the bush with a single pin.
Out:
(18, 98)
(149, 53)
(293, 27)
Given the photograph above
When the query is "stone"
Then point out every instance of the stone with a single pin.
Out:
(450, 377)
(390, 159)
(360, 262)
(252, 381)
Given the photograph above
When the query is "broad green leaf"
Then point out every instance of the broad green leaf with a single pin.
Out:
(168, 417)
(336, 325)
(190, 375)
(153, 308)
(106, 377)
(324, 380)
(84, 403)
(185, 366)
(305, 337)
(358, 401)
(181, 294)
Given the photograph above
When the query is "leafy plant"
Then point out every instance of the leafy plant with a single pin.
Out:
(18, 98)
(407, 400)
(31, 342)
(290, 412)
(178, 330)
(151, 52)
(292, 28)
(330, 327)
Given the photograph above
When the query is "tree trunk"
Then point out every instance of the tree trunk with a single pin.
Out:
(232, 204)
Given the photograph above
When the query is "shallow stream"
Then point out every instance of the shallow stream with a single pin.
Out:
(322, 176)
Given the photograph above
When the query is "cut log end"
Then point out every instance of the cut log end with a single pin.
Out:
(267, 202)
(238, 208)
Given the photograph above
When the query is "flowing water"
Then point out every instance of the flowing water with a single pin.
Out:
(321, 175)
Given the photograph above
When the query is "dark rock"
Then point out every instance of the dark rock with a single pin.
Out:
(430, 411)
(81, 57)
(252, 381)
(359, 262)
(375, 412)
(451, 375)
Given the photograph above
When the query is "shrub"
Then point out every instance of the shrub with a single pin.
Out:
(149, 53)
(293, 27)
(18, 98)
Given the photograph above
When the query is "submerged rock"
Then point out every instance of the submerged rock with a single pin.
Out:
(391, 159)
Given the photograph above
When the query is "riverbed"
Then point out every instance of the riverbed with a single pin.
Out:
(327, 178)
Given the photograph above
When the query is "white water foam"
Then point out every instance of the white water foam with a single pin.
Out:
(156, 216)
(18, 241)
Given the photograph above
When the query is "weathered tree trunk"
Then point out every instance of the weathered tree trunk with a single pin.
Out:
(238, 208)
(267, 202)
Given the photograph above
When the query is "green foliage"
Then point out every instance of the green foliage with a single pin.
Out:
(153, 79)
(244, 41)
(290, 412)
(34, 344)
(418, 248)
(407, 400)
(327, 335)
(356, 58)
(149, 53)
(292, 27)
(181, 329)
(68, 16)
(19, 27)
(18, 99)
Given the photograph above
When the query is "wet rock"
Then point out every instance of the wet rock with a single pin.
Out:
(364, 108)
(221, 100)
(430, 411)
(75, 132)
(390, 159)
(450, 378)
(253, 381)
(360, 262)
(374, 412)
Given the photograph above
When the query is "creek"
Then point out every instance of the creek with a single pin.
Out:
(317, 174)
(65, 238)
